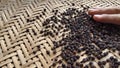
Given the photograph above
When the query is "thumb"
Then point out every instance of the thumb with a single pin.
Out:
(108, 18)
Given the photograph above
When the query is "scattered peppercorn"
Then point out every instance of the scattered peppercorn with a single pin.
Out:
(81, 26)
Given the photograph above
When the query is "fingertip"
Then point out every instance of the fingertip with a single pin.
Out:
(92, 11)
(97, 17)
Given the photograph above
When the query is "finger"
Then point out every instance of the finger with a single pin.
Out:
(108, 18)
(109, 10)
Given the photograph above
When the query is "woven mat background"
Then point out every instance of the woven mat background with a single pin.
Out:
(22, 49)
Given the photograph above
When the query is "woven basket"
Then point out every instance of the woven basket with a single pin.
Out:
(21, 43)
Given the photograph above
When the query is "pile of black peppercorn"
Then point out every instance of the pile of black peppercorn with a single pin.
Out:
(89, 36)
(85, 35)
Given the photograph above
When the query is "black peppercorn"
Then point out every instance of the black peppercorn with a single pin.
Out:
(48, 52)
(27, 30)
(86, 66)
(81, 5)
(73, 4)
(28, 20)
(44, 10)
(43, 13)
(32, 20)
(37, 17)
(34, 52)
(40, 15)
(56, 59)
(34, 32)
(103, 62)
(54, 52)
(100, 63)
(53, 10)
(60, 61)
(63, 66)
(54, 64)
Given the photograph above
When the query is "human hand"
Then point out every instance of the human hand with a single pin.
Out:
(107, 15)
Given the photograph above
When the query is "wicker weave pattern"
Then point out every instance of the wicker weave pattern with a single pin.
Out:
(21, 43)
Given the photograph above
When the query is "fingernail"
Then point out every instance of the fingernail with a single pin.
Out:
(98, 16)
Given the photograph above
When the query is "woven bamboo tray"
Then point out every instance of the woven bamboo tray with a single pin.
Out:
(21, 43)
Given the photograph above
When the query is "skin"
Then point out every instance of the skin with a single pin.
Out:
(107, 15)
